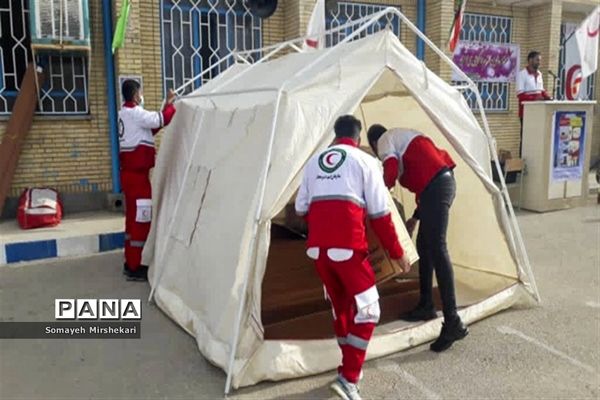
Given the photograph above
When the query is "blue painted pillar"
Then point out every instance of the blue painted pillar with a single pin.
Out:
(109, 65)
(421, 25)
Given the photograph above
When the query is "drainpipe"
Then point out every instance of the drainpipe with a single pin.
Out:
(109, 66)
(421, 26)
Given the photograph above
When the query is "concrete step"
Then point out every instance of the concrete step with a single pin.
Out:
(77, 235)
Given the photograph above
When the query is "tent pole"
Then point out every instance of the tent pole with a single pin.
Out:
(253, 250)
(292, 43)
(513, 224)
(200, 75)
(519, 244)
(368, 20)
(229, 93)
(242, 73)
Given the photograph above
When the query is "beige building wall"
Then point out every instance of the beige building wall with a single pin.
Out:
(438, 21)
(273, 29)
(73, 153)
(141, 53)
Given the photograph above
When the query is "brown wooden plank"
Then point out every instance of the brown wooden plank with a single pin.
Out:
(319, 325)
(291, 286)
(18, 126)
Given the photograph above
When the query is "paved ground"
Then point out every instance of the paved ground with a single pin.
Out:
(549, 352)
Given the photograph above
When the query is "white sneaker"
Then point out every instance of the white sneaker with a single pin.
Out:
(360, 377)
(345, 389)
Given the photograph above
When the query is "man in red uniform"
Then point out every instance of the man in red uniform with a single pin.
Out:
(530, 86)
(137, 128)
(411, 158)
(341, 187)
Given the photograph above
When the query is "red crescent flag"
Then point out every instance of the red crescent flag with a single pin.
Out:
(587, 36)
(315, 33)
(573, 84)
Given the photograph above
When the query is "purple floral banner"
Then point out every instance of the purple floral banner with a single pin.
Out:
(487, 62)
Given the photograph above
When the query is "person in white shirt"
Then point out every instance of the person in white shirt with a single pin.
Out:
(530, 85)
(137, 128)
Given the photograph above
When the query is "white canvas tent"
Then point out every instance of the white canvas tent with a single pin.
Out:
(233, 157)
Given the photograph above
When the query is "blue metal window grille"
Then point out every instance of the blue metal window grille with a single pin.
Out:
(66, 88)
(341, 12)
(198, 34)
(494, 29)
(562, 73)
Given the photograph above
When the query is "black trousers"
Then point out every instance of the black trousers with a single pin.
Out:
(434, 208)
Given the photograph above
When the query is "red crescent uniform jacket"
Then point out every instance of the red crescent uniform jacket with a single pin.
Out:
(411, 158)
(137, 128)
(530, 87)
(341, 187)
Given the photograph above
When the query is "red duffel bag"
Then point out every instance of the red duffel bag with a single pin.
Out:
(39, 207)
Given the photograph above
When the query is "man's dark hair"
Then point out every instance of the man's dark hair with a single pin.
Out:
(374, 133)
(129, 89)
(347, 126)
(533, 54)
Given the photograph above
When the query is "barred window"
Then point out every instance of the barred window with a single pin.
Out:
(65, 90)
(494, 29)
(589, 89)
(198, 34)
(65, 87)
(339, 13)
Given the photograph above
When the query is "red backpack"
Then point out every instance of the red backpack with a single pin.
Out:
(39, 207)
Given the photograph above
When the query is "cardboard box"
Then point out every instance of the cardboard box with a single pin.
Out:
(384, 267)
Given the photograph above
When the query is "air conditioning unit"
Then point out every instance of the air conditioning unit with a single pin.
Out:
(59, 24)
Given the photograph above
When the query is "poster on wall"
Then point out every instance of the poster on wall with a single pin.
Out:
(487, 62)
(568, 145)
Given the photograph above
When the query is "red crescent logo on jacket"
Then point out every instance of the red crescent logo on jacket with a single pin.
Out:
(331, 160)
(121, 128)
